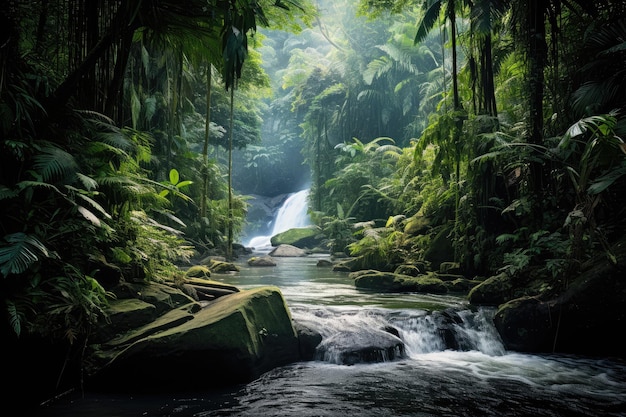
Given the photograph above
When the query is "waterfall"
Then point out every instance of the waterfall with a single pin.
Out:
(292, 214)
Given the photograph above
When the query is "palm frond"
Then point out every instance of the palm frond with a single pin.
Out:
(94, 204)
(376, 68)
(89, 216)
(605, 181)
(21, 253)
(54, 163)
(25, 185)
(15, 318)
(87, 182)
(7, 193)
(428, 22)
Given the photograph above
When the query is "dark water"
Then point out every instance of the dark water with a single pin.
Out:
(477, 378)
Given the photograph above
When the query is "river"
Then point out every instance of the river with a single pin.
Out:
(476, 378)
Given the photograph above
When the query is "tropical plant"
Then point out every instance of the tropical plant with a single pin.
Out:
(600, 164)
(383, 247)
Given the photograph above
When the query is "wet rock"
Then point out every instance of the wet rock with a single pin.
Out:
(324, 263)
(586, 318)
(309, 339)
(341, 267)
(461, 285)
(209, 290)
(198, 271)
(493, 291)
(349, 348)
(261, 261)
(450, 268)
(287, 251)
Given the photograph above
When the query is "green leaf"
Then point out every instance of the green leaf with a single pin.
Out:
(428, 22)
(54, 163)
(94, 204)
(23, 251)
(14, 317)
(7, 193)
(174, 176)
(88, 182)
(184, 184)
(605, 181)
(92, 218)
(340, 213)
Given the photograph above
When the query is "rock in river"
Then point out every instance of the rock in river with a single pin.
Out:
(234, 339)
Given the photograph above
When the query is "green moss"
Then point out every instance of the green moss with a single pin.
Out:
(299, 237)
(198, 271)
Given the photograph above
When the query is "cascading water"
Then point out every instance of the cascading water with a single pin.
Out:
(378, 335)
(292, 214)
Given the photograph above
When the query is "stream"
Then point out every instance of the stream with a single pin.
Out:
(477, 377)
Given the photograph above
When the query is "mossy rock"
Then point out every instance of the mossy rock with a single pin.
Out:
(198, 271)
(300, 237)
(429, 283)
(526, 324)
(411, 270)
(391, 282)
(359, 263)
(261, 261)
(222, 267)
(461, 285)
(416, 225)
(450, 268)
(493, 291)
(231, 341)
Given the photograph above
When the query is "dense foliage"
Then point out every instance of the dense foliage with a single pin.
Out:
(498, 124)
(493, 125)
(112, 114)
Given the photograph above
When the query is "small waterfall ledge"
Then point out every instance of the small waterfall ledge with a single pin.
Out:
(351, 336)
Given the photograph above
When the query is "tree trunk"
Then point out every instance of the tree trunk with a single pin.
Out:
(205, 148)
(229, 244)
(489, 91)
(537, 57)
(119, 24)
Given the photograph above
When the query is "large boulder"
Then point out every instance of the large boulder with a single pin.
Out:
(588, 318)
(234, 339)
(300, 237)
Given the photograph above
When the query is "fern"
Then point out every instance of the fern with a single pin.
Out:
(23, 251)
